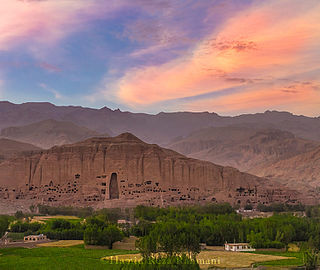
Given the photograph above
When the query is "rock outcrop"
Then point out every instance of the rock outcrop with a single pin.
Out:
(124, 171)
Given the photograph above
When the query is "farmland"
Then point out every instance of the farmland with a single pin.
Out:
(221, 259)
(76, 257)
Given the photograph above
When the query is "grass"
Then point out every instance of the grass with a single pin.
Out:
(62, 243)
(73, 258)
(293, 258)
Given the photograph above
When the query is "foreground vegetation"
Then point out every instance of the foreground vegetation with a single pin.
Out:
(57, 258)
(173, 232)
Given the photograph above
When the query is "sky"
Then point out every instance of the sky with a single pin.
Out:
(224, 56)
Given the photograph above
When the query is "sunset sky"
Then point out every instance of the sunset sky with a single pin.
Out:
(224, 56)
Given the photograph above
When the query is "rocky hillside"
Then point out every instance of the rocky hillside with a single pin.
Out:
(10, 148)
(122, 171)
(241, 147)
(48, 133)
(299, 171)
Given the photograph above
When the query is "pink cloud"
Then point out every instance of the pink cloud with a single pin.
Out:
(49, 67)
(269, 41)
(46, 22)
(262, 97)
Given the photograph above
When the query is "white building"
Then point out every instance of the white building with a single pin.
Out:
(238, 247)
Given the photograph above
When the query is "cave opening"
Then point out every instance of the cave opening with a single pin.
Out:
(113, 187)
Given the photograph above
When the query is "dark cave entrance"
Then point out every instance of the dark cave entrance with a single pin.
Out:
(113, 187)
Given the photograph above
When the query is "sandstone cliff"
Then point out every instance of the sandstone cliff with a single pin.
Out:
(125, 171)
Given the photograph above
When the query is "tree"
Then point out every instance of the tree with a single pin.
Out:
(311, 259)
(102, 236)
(19, 215)
(171, 238)
(147, 246)
(4, 224)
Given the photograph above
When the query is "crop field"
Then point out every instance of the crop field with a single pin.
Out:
(56, 258)
(293, 258)
(46, 218)
(219, 259)
(62, 243)
(77, 257)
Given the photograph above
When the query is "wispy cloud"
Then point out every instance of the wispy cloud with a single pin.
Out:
(56, 94)
(47, 22)
(49, 67)
(262, 43)
(168, 54)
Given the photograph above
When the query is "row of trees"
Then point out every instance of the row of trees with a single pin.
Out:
(280, 207)
(212, 224)
(216, 225)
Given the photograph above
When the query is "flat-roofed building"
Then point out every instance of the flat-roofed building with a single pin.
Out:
(238, 247)
(35, 238)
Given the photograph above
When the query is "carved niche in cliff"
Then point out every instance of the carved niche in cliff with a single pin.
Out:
(113, 187)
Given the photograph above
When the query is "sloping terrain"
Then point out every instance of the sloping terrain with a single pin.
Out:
(299, 171)
(241, 147)
(48, 133)
(10, 148)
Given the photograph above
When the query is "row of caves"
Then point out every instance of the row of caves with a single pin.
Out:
(149, 192)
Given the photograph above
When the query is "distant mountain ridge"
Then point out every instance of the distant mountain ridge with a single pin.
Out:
(161, 128)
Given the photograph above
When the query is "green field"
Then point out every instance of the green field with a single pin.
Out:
(76, 257)
(294, 258)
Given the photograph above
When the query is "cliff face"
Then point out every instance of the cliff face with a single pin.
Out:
(124, 171)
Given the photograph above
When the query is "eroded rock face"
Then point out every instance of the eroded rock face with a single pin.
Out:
(124, 171)
(301, 171)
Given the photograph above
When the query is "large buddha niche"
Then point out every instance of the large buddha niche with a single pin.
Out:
(113, 187)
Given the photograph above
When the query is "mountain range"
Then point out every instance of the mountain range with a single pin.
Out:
(278, 146)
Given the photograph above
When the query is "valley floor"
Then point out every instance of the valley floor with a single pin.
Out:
(51, 258)
(77, 257)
